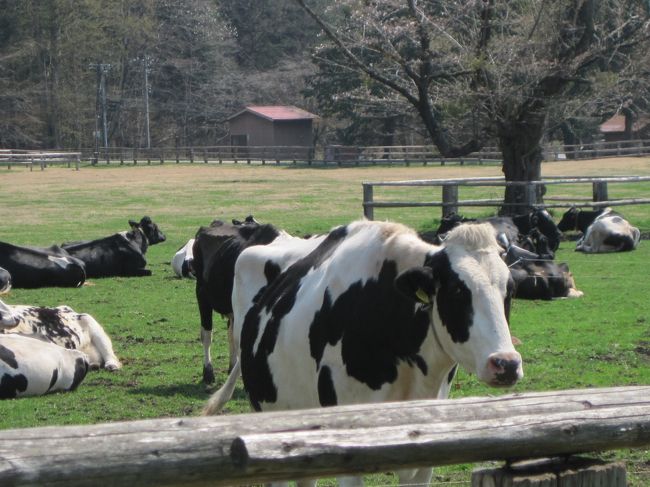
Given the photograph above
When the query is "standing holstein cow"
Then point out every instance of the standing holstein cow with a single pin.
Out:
(370, 314)
(121, 254)
(64, 327)
(215, 252)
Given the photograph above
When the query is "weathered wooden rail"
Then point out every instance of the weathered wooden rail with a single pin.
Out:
(450, 189)
(237, 449)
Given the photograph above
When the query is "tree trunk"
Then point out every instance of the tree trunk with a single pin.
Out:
(522, 161)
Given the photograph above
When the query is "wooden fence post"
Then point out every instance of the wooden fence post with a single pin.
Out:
(368, 211)
(600, 191)
(449, 199)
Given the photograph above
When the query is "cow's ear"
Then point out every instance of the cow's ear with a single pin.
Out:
(134, 224)
(416, 283)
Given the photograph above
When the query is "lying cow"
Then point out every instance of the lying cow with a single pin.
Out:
(32, 367)
(215, 251)
(538, 278)
(121, 254)
(604, 231)
(182, 262)
(5, 281)
(371, 313)
(513, 230)
(31, 267)
(64, 327)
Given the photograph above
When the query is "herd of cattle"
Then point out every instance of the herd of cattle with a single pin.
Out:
(368, 312)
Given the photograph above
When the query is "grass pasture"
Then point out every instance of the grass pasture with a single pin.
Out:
(602, 339)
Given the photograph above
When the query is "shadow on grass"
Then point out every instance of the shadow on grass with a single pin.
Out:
(194, 391)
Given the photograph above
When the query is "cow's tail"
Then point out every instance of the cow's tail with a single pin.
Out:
(219, 399)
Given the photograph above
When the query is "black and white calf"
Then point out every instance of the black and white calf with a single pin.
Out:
(64, 327)
(121, 254)
(32, 367)
(32, 267)
(369, 313)
(603, 230)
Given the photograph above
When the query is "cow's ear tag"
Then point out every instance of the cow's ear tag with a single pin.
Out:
(422, 296)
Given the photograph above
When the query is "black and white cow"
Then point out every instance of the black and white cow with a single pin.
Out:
(602, 230)
(32, 367)
(121, 254)
(575, 219)
(215, 251)
(182, 262)
(539, 278)
(369, 313)
(515, 229)
(64, 327)
(5, 281)
(31, 267)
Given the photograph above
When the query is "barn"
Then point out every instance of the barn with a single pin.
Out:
(272, 126)
(621, 127)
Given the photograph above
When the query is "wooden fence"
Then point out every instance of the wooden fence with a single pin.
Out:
(450, 189)
(261, 447)
(28, 158)
(339, 155)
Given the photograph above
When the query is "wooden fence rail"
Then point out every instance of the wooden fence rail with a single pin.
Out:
(450, 188)
(237, 449)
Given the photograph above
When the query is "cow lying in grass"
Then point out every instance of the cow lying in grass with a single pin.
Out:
(64, 327)
(32, 367)
(602, 230)
(121, 254)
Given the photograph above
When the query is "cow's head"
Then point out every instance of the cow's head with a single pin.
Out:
(468, 288)
(7, 317)
(149, 229)
(569, 220)
(543, 220)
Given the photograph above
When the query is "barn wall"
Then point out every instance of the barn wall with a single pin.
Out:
(258, 130)
(293, 132)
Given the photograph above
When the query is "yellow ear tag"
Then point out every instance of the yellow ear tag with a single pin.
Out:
(422, 296)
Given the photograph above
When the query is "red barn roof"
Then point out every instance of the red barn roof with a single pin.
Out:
(277, 112)
(614, 124)
(617, 124)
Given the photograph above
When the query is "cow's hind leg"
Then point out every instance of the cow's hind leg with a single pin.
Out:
(205, 313)
(101, 346)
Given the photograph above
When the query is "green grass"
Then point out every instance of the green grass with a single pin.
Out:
(602, 339)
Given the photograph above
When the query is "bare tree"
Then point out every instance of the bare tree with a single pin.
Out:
(490, 69)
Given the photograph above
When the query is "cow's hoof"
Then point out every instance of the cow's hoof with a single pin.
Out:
(112, 366)
(208, 374)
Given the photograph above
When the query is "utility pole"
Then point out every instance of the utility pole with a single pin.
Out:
(145, 62)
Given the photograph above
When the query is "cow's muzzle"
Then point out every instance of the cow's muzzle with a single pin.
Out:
(505, 369)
